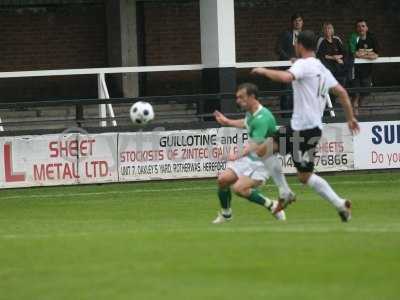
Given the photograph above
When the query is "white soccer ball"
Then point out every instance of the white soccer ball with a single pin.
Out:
(141, 113)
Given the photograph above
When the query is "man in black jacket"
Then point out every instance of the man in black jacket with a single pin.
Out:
(285, 50)
(288, 39)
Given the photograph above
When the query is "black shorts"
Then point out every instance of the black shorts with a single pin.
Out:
(301, 145)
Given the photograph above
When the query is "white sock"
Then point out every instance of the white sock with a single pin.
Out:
(226, 212)
(322, 187)
(274, 168)
(268, 202)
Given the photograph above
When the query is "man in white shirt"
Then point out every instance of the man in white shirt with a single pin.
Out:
(311, 83)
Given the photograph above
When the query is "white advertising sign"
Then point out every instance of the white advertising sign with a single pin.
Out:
(176, 154)
(96, 158)
(58, 160)
(2, 177)
(378, 146)
(38, 160)
(334, 151)
(202, 153)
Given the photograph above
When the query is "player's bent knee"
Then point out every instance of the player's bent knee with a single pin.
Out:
(225, 180)
(222, 182)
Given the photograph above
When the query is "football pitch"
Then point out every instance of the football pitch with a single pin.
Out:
(155, 240)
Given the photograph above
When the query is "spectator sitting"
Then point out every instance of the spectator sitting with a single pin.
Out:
(331, 52)
(364, 45)
(285, 51)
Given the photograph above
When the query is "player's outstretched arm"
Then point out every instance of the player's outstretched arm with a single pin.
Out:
(224, 121)
(344, 99)
(274, 75)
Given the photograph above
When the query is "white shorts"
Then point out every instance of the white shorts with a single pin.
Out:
(246, 167)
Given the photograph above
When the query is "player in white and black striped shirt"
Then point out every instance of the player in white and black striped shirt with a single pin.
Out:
(311, 83)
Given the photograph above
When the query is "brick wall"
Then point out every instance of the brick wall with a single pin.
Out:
(172, 37)
(75, 36)
(173, 33)
(259, 23)
(54, 37)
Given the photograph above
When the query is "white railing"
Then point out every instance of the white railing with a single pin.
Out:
(103, 90)
(101, 83)
(170, 68)
(92, 71)
(284, 63)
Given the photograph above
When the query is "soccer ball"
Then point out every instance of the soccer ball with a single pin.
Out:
(141, 113)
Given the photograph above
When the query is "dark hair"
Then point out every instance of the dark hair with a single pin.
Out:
(308, 39)
(359, 21)
(295, 16)
(251, 89)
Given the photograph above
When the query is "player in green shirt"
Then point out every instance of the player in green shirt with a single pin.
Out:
(246, 171)
(260, 125)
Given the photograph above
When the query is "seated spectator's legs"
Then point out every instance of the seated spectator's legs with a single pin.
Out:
(355, 96)
(358, 97)
(364, 82)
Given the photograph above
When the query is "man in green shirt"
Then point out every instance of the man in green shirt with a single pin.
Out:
(246, 171)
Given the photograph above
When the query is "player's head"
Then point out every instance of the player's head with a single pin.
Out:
(328, 30)
(361, 27)
(306, 42)
(246, 94)
(297, 21)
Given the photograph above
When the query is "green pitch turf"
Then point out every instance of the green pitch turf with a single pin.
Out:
(155, 241)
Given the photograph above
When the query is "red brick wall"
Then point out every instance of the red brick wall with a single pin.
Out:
(259, 25)
(172, 37)
(173, 33)
(173, 30)
(55, 37)
(75, 36)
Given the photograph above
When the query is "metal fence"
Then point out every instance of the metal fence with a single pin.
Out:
(107, 120)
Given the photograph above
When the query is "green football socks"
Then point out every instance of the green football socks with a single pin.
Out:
(258, 198)
(225, 196)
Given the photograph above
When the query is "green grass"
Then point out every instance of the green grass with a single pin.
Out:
(155, 241)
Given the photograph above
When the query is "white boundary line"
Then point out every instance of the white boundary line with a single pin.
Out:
(293, 227)
(149, 190)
